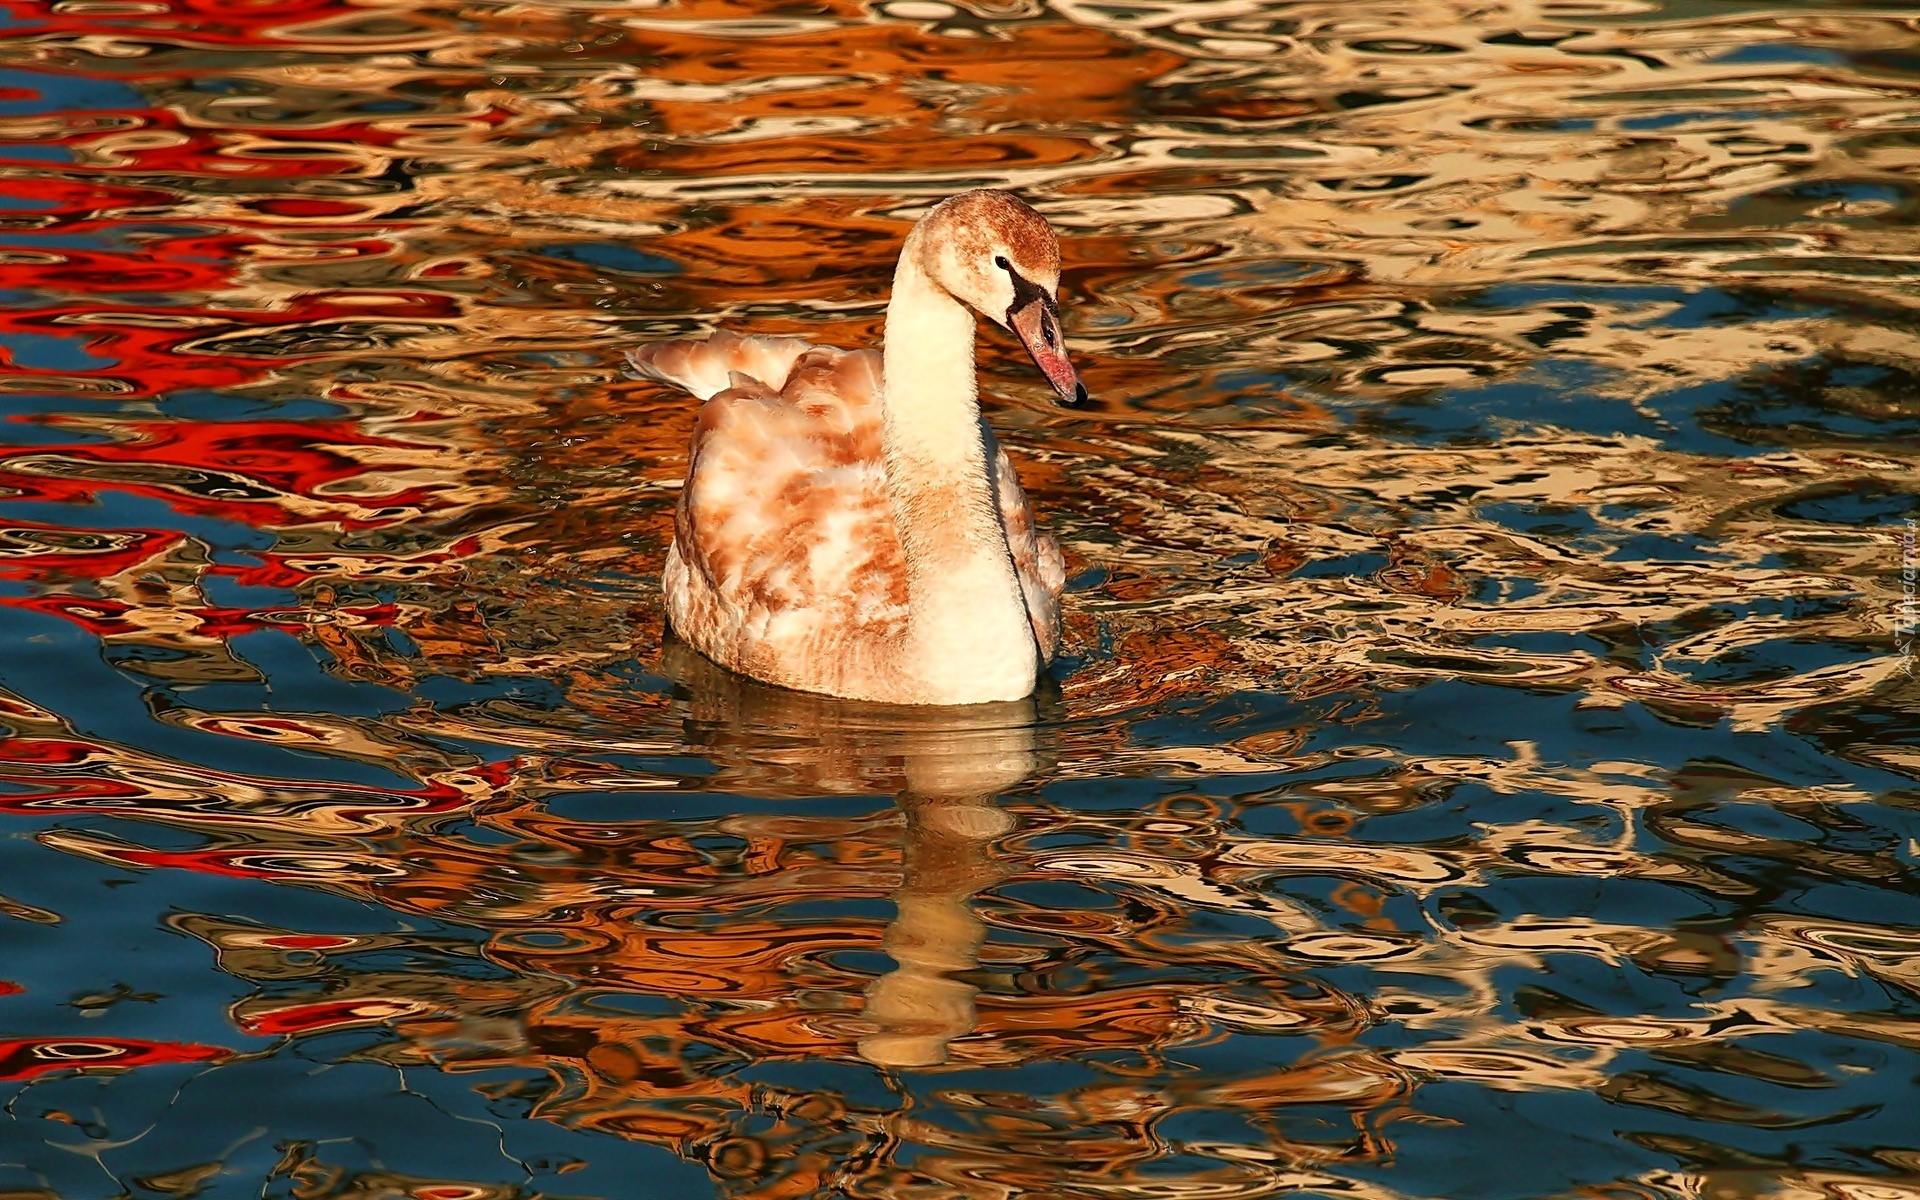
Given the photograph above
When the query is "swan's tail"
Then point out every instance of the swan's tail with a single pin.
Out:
(705, 367)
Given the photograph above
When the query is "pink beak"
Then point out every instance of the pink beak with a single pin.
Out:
(1037, 323)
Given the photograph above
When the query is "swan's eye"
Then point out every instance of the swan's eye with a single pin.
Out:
(1000, 260)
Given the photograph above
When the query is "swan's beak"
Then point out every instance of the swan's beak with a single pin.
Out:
(1037, 324)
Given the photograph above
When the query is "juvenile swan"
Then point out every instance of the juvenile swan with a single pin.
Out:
(849, 524)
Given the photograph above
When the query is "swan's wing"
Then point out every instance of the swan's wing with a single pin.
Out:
(1036, 556)
(783, 527)
(705, 367)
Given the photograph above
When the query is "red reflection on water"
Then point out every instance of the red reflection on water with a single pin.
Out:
(182, 264)
(310, 1018)
(31, 551)
(203, 22)
(245, 471)
(25, 1058)
(75, 204)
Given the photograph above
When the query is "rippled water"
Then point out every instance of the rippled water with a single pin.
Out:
(1483, 764)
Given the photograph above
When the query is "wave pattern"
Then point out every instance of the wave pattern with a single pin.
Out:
(1488, 711)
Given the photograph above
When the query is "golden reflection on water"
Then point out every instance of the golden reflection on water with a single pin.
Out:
(1558, 354)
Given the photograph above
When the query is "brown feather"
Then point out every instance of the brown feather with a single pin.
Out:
(786, 565)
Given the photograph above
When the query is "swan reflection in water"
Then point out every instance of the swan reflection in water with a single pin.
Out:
(950, 765)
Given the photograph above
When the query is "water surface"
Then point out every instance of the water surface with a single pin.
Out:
(1483, 760)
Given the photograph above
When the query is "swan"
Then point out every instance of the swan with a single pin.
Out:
(849, 525)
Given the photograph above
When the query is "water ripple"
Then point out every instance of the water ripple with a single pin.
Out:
(1485, 689)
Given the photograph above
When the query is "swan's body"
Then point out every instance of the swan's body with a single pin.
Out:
(849, 524)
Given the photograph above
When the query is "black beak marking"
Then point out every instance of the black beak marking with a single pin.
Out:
(1025, 292)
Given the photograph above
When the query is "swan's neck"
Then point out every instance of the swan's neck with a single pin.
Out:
(969, 639)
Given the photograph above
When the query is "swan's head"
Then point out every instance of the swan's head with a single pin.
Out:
(992, 252)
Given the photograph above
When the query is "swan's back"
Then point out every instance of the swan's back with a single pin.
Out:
(786, 563)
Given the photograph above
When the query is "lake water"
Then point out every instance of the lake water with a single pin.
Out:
(1483, 763)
